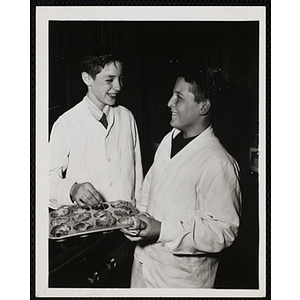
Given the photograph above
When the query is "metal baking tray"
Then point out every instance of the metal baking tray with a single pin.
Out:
(71, 215)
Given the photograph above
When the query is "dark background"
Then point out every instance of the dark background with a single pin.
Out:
(153, 50)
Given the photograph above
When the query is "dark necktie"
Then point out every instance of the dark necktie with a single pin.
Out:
(103, 120)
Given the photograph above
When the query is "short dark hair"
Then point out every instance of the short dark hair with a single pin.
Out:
(198, 78)
(93, 64)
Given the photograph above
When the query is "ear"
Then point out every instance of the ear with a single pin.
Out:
(205, 106)
(87, 79)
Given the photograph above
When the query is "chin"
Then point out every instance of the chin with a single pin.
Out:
(111, 102)
(173, 124)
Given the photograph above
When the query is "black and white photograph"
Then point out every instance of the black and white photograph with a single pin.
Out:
(151, 151)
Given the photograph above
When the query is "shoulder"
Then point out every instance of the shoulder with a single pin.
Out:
(215, 148)
(218, 158)
(122, 113)
(73, 113)
(168, 136)
(212, 149)
(122, 110)
(166, 141)
(75, 110)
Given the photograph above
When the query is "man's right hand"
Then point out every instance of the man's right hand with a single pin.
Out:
(85, 194)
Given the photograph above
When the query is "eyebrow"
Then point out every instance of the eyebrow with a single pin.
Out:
(112, 76)
(179, 93)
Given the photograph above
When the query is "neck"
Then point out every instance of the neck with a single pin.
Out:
(92, 97)
(194, 132)
(205, 123)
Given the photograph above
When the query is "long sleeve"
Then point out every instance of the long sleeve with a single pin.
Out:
(215, 225)
(59, 158)
(138, 164)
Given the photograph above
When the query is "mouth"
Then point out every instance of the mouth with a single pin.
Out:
(112, 95)
(174, 114)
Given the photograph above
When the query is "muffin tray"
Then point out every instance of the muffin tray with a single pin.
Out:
(73, 220)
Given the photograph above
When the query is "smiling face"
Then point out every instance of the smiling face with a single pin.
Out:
(104, 88)
(186, 112)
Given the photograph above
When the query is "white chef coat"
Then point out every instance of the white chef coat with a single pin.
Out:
(196, 195)
(109, 159)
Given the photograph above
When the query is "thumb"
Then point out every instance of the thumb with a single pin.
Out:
(143, 218)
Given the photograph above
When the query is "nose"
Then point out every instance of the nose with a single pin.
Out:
(117, 85)
(171, 102)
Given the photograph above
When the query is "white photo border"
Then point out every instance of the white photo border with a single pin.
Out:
(98, 13)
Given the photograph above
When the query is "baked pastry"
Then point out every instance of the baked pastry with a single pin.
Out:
(60, 220)
(104, 218)
(99, 206)
(135, 224)
(123, 211)
(100, 213)
(78, 209)
(106, 222)
(119, 203)
(82, 217)
(60, 212)
(59, 230)
(83, 226)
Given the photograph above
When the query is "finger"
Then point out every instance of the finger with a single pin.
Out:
(131, 232)
(82, 197)
(89, 203)
(92, 194)
(88, 198)
(143, 218)
(92, 198)
(80, 202)
(146, 214)
(95, 194)
(132, 238)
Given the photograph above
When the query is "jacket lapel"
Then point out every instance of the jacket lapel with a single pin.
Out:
(168, 167)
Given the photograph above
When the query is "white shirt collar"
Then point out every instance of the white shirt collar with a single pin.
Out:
(94, 110)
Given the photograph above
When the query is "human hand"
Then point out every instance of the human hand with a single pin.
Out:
(85, 194)
(153, 227)
(132, 238)
(134, 224)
